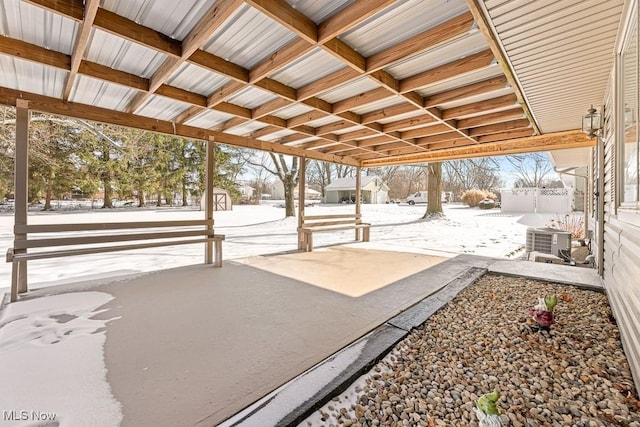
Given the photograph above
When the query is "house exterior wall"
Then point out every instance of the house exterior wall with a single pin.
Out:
(621, 219)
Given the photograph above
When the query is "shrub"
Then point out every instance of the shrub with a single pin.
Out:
(573, 223)
(474, 196)
(487, 204)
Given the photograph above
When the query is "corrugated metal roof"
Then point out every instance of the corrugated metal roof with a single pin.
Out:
(170, 17)
(252, 97)
(21, 20)
(246, 128)
(159, 107)
(323, 121)
(477, 98)
(209, 119)
(197, 79)
(248, 37)
(318, 11)
(309, 68)
(349, 129)
(408, 115)
(88, 90)
(443, 54)
(401, 21)
(120, 54)
(292, 111)
(348, 90)
(476, 76)
(546, 42)
(277, 135)
(374, 106)
(31, 77)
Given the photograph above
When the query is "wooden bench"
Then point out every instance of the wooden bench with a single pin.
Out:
(320, 223)
(96, 238)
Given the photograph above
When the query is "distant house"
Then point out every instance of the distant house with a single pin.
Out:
(343, 190)
(276, 189)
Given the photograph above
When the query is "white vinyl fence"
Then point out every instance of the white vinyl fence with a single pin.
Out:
(537, 200)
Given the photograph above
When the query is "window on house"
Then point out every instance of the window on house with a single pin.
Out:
(629, 100)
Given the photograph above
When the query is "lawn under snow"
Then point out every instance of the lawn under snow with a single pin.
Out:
(263, 229)
(51, 347)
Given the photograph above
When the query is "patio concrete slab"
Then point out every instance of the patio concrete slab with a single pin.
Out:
(194, 345)
(582, 277)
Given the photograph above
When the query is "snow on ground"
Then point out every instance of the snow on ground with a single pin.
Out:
(52, 367)
(255, 230)
(52, 345)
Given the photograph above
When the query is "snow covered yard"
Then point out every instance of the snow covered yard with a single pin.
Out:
(55, 344)
(256, 230)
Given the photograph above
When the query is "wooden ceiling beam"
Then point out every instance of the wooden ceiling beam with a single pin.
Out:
(500, 127)
(231, 123)
(462, 66)
(388, 112)
(377, 140)
(80, 44)
(223, 93)
(448, 136)
(306, 118)
(346, 54)
(409, 123)
(344, 75)
(279, 59)
(204, 28)
(290, 18)
(361, 100)
(267, 130)
(445, 32)
(188, 114)
(277, 88)
(82, 111)
(349, 17)
(31, 52)
(219, 65)
(312, 145)
(520, 133)
(72, 9)
(548, 142)
(426, 131)
(488, 119)
(129, 30)
(269, 107)
(461, 93)
(357, 134)
(505, 101)
(332, 127)
(449, 144)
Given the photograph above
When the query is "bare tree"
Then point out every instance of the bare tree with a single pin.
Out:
(462, 175)
(434, 189)
(277, 165)
(530, 170)
(319, 174)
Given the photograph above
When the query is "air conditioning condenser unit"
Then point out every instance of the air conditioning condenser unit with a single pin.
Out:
(549, 241)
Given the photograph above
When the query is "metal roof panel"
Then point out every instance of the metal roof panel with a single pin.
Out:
(309, 68)
(399, 22)
(248, 37)
(88, 90)
(31, 77)
(252, 97)
(161, 108)
(172, 18)
(120, 54)
(197, 79)
(21, 20)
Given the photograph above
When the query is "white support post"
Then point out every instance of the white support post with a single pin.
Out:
(208, 257)
(302, 183)
(358, 195)
(19, 273)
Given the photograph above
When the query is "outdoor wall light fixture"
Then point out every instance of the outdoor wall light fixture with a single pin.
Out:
(591, 122)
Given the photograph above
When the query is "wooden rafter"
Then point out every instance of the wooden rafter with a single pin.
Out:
(81, 42)
(374, 135)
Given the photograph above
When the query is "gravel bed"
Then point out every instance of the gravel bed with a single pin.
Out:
(574, 375)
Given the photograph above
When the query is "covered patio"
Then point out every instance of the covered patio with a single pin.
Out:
(363, 83)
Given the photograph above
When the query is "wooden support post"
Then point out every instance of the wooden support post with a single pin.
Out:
(358, 195)
(302, 182)
(19, 274)
(208, 257)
